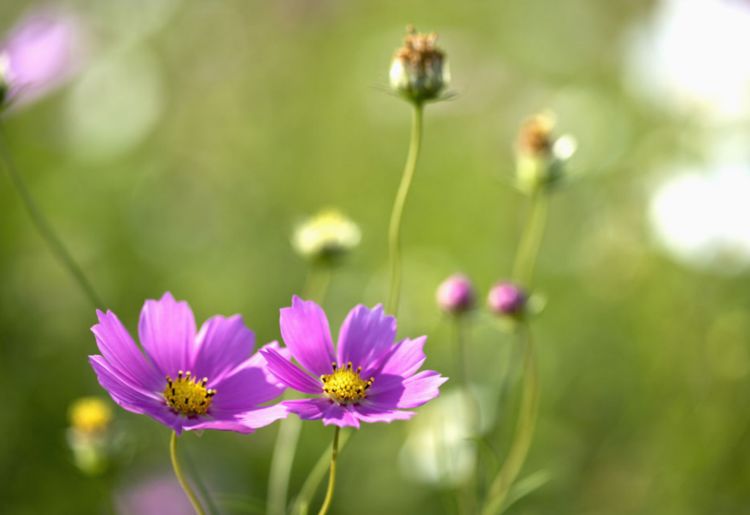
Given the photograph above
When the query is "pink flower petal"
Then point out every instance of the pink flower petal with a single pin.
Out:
(304, 328)
(167, 332)
(123, 355)
(290, 374)
(365, 336)
(222, 343)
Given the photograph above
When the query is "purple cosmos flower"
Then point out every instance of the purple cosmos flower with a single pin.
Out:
(368, 379)
(456, 294)
(507, 299)
(187, 379)
(40, 53)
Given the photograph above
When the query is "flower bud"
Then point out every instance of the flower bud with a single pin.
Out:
(326, 237)
(507, 299)
(419, 69)
(456, 295)
(89, 435)
(540, 156)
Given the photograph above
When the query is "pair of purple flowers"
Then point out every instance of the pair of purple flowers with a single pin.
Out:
(210, 379)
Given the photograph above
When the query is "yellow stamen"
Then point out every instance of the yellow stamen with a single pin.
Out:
(188, 395)
(344, 385)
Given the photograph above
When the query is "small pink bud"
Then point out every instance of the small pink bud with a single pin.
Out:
(506, 298)
(456, 294)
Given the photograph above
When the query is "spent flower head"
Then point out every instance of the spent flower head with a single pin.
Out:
(419, 69)
(456, 294)
(540, 154)
(326, 236)
(187, 379)
(368, 378)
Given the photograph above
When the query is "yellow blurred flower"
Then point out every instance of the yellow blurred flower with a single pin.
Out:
(90, 415)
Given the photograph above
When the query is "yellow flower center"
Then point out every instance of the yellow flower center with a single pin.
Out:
(188, 395)
(345, 385)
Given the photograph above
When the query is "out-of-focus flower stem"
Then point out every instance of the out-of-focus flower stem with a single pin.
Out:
(531, 239)
(181, 477)
(48, 234)
(500, 487)
(193, 473)
(332, 477)
(394, 230)
(316, 287)
(318, 280)
(523, 271)
(467, 500)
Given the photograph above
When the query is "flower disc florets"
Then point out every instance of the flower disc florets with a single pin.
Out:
(419, 69)
(345, 385)
(188, 396)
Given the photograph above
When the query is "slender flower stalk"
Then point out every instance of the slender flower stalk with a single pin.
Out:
(460, 340)
(540, 162)
(43, 226)
(332, 477)
(181, 477)
(394, 230)
(318, 281)
(531, 239)
(468, 497)
(419, 74)
(525, 426)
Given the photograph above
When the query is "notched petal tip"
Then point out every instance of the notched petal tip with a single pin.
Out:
(167, 296)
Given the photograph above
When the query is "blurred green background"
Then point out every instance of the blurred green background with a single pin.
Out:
(200, 133)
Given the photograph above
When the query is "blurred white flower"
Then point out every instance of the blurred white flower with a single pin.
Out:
(693, 56)
(702, 217)
(440, 449)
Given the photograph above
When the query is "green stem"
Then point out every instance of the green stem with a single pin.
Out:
(459, 337)
(281, 464)
(317, 282)
(525, 426)
(282, 459)
(332, 477)
(531, 239)
(313, 480)
(394, 229)
(181, 477)
(42, 225)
